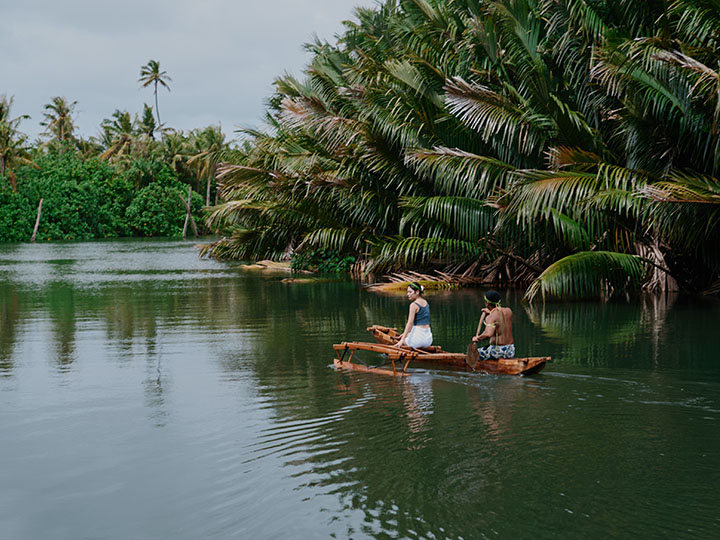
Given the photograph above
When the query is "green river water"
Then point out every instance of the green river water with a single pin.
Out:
(148, 394)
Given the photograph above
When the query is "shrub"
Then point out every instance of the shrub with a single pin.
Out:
(83, 199)
(90, 198)
(156, 210)
(16, 215)
(324, 261)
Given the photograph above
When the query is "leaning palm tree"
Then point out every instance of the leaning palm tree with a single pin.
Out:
(150, 74)
(119, 135)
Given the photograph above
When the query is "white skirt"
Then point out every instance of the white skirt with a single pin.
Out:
(419, 337)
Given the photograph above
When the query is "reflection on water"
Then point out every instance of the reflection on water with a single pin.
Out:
(657, 332)
(145, 393)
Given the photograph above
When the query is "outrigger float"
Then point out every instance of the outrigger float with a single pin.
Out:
(400, 358)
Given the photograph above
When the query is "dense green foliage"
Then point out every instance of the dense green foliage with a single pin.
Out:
(90, 198)
(156, 209)
(324, 261)
(575, 141)
(16, 216)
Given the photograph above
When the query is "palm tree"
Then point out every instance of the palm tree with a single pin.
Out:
(572, 144)
(58, 121)
(13, 151)
(175, 150)
(147, 123)
(209, 150)
(150, 74)
(119, 135)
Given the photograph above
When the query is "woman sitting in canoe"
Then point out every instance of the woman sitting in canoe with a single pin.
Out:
(498, 329)
(417, 330)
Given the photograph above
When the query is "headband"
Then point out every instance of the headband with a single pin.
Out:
(418, 288)
(491, 302)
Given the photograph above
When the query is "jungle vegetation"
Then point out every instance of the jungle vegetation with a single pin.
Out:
(569, 145)
(125, 181)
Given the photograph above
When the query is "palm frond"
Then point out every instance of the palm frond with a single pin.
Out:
(405, 72)
(399, 252)
(463, 217)
(698, 21)
(589, 274)
(573, 233)
(459, 173)
(492, 115)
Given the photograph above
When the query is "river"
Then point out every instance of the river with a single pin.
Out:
(146, 393)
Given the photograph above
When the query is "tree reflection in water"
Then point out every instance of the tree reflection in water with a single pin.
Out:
(9, 317)
(377, 452)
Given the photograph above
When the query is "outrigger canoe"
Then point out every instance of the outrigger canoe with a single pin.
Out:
(401, 357)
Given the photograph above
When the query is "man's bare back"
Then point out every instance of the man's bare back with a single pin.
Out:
(501, 320)
(498, 322)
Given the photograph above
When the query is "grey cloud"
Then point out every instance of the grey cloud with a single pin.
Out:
(222, 55)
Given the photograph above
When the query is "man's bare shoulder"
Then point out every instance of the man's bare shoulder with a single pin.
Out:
(494, 315)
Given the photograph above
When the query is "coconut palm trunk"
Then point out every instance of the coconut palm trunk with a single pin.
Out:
(157, 107)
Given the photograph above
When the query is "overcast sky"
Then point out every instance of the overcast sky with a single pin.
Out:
(222, 55)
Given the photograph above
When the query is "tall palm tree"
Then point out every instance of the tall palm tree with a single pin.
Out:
(150, 74)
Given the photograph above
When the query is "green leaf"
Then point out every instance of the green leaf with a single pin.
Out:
(589, 274)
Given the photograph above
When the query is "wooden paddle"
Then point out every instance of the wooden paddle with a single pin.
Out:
(472, 357)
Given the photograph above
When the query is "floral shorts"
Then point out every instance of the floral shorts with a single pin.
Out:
(496, 351)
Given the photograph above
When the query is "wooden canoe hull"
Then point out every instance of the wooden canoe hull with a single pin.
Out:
(404, 355)
(504, 366)
(512, 366)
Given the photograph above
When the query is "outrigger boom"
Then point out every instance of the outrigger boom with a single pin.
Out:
(404, 356)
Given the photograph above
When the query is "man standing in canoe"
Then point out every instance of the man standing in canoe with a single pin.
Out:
(498, 329)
